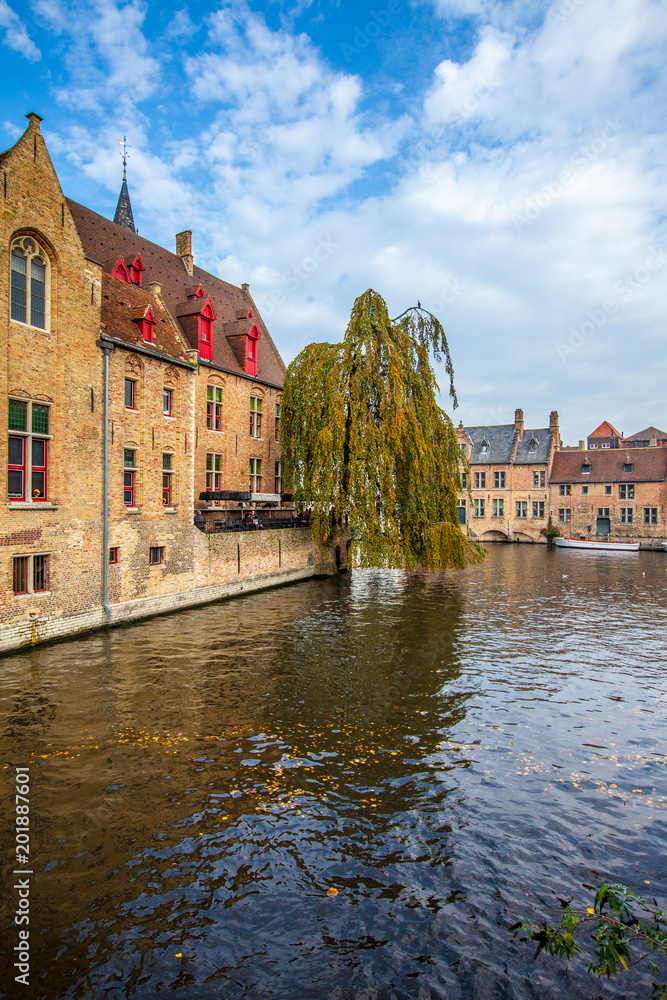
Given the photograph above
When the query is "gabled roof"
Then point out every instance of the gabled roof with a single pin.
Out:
(499, 439)
(533, 447)
(647, 434)
(102, 239)
(606, 430)
(122, 304)
(648, 465)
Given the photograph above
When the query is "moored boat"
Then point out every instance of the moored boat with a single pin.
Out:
(583, 543)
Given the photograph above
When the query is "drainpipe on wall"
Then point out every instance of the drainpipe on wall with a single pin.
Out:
(107, 349)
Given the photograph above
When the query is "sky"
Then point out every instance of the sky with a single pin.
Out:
(501, 161)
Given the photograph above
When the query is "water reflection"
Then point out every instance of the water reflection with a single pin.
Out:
(434, 747)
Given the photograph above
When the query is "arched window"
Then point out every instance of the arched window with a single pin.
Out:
(29, 272)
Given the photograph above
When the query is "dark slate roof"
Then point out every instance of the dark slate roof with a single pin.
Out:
(499, 438)
(649, 465)
(533, 447)
(123, 216)
(121, 303)
(647, 434)
(102, 239)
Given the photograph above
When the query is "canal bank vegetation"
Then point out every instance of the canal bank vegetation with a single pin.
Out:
(626, 931)
(366, 447)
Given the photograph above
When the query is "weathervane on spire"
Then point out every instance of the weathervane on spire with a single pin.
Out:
(123, 142)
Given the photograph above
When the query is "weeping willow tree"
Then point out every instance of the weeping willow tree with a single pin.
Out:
(366, 446)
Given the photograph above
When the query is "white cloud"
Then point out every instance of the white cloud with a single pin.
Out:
(16, 35)
(110, 62)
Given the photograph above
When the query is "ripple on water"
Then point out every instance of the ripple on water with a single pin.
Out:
(450, 752)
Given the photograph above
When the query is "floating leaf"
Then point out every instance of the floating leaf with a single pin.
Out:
(332, 891)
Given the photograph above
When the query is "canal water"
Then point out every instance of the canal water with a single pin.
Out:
(450, 752)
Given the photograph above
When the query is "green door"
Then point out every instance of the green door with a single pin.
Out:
(462, 514)
(603, 526)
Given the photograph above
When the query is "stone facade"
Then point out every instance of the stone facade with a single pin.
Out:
(507, 493)
(176, 340)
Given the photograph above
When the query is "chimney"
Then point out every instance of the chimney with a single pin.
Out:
(518, 421)
(244, 287)
(156, 289)
(582, 446)
(184, 250)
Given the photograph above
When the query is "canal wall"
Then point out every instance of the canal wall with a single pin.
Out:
(224, 565)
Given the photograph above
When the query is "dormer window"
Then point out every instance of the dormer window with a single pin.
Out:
(145, 322)
(532, 444)
(136, 271)
(586, 469)
(484, 447)
(251, 351)
(121, 272)
(206, 317)
(627, 467)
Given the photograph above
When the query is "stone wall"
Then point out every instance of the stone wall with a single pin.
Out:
(224, 565)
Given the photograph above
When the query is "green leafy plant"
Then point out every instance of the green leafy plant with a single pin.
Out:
(551, 530)
(367, 449)
(624, 929)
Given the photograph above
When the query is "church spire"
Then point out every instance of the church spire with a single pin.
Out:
(123, 216)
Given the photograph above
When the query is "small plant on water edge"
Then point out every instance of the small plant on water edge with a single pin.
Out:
(625, 931)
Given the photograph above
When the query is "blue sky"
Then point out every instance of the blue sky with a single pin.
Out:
(503, 162)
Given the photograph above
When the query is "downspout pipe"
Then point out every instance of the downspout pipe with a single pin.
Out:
(107, 349)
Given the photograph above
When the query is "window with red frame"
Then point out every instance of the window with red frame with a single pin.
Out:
(129, 474)
(251, 350)
(114, 555)
(121, 272)
(214, 474)
(167, 474)
(28, 444)
(145, 326)
(136, 271)
(255, 417)
(214, 407)
(255, 475)
(167, 401)
(156, 555)
(206, 318)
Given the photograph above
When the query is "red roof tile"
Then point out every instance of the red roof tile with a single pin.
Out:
(648, 465)
(605, 430)
(102, 239)
(123, 303)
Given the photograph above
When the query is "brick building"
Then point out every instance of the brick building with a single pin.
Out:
(618, 492)
(605, 436)
(509, 479)
(97, 320)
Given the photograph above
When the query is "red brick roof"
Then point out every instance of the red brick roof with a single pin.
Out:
(605, 430)
(122, 303)
(102, 239)
(649, 465)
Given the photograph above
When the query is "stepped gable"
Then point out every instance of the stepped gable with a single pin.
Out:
(499, 439)
(649, 465)
(102, 239)
(123, 303)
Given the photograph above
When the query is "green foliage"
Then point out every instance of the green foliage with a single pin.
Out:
(624, 929)
(551, 530)
(365, 445)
